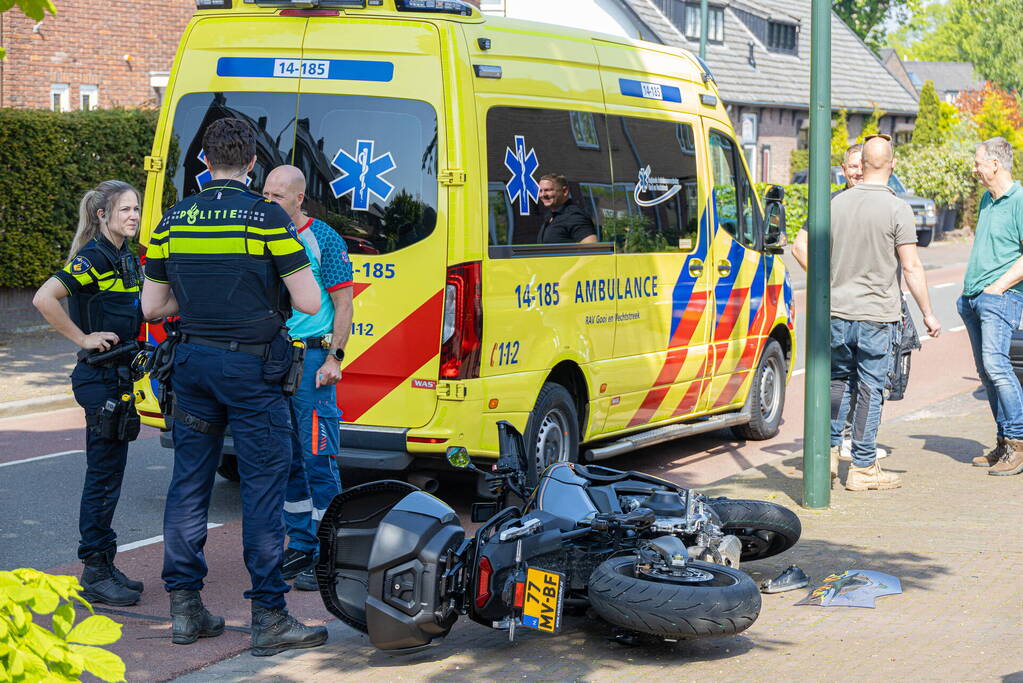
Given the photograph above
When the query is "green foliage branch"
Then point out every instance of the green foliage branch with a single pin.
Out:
(31, 652)
(48, 160)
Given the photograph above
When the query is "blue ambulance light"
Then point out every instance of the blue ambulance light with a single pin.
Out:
(443, 6)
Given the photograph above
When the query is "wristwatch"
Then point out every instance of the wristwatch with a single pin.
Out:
(338, 355)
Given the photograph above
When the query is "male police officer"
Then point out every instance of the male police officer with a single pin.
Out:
(218, 259)
(316, 439)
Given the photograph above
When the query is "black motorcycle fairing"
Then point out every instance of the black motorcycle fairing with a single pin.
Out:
(408, 606)
(390, 564)
(542, 550)
(564, 494)
(346, 534)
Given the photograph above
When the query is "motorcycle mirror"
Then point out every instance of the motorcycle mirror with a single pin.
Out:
(458, 457)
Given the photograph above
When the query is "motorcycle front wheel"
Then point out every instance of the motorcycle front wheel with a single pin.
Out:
(763, 528)
(710, 601)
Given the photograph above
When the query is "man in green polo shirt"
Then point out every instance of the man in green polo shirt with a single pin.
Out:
(992, 302)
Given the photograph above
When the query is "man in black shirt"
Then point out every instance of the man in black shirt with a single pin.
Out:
(566, 223)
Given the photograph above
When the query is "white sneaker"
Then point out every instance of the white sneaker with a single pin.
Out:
(846, 454)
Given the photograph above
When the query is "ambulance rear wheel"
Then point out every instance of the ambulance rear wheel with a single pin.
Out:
(552, 433)
(767, 396)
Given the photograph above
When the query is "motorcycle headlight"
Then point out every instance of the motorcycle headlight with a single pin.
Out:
(931, 211)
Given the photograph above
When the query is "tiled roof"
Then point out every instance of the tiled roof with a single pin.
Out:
(858, 79)
(947, 76)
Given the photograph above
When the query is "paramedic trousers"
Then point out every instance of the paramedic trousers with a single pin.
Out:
(860, 360)
(105, 460)
(990, 320)
(315, 440)
(227, 387)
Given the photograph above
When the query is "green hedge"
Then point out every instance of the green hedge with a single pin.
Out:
(48, 160)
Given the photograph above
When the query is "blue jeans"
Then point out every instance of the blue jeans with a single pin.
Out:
(223, 386)
(315, 442)
(990, 321)
(860, 359)
(105, 460)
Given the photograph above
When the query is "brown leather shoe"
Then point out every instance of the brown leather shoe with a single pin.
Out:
(871, 478)
(1011, 461)
(992, 456)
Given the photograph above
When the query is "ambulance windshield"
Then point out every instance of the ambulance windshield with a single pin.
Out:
(370, 163)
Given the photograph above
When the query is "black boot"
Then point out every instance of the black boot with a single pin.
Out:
(119, 576)
(274, 631)
(100, 586)
(190, 620)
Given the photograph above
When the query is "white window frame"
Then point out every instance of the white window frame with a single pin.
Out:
(90, 91)
(715, 23)
(62, 91)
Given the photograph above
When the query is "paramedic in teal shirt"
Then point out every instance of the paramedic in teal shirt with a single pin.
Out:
(316, 437)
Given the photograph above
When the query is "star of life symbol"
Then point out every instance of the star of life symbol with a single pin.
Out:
(206, 176)
(363, 175)
(645, 183)
(522, 187)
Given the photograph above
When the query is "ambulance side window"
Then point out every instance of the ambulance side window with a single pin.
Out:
(656, 207)
(735, 207)
(523, 145)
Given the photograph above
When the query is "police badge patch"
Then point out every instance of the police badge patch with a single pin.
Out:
(292, 230)
(79, 265)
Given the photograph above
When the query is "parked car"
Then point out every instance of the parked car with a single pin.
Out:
(924, 210)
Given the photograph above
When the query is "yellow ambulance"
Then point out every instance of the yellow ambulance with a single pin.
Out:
(425, 130)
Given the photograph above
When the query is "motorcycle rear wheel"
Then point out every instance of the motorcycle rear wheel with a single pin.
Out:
(726, 604)
(763, 528)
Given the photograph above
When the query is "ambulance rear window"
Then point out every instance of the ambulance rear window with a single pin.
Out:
(370, 163)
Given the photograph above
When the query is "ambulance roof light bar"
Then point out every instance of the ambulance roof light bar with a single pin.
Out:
(306, 4)
(442, 6)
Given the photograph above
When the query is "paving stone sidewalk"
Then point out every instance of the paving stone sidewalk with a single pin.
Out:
(952, 535)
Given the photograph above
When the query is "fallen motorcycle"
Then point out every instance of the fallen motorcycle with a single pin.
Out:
(647, 555)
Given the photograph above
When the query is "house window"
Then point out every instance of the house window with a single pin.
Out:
(715, 23)
(782, 37)
(60, 98)
(89, 97)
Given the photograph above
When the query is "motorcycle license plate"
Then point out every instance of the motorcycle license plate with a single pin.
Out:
(542, 606)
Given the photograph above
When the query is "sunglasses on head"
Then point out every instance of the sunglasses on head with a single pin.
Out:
(883, 136)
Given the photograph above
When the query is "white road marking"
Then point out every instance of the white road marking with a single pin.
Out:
(800, 371)
(945, 284)
(39, 457)
(155, 539)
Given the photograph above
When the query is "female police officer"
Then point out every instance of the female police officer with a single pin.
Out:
(102, 279)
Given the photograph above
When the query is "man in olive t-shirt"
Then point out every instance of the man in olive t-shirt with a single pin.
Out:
(872, 232)
(992, 302)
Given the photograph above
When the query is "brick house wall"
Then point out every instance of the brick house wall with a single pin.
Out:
(86, 44)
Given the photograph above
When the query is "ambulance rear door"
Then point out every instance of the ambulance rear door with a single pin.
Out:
(370, 138)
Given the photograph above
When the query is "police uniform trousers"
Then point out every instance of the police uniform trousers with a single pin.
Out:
(105, 460)
(227, 387)
(316, 438)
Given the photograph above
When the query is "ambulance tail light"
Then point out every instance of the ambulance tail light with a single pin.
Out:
(463, 323)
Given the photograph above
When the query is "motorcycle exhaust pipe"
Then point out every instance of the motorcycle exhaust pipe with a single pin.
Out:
(425, 481)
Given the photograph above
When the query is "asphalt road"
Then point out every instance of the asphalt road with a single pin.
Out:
(39, 498)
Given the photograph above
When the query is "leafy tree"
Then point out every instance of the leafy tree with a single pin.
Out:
(840, 134)
(988, 34)
(33, 9)
(928, 120)
(867, 18)
(872, 125)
